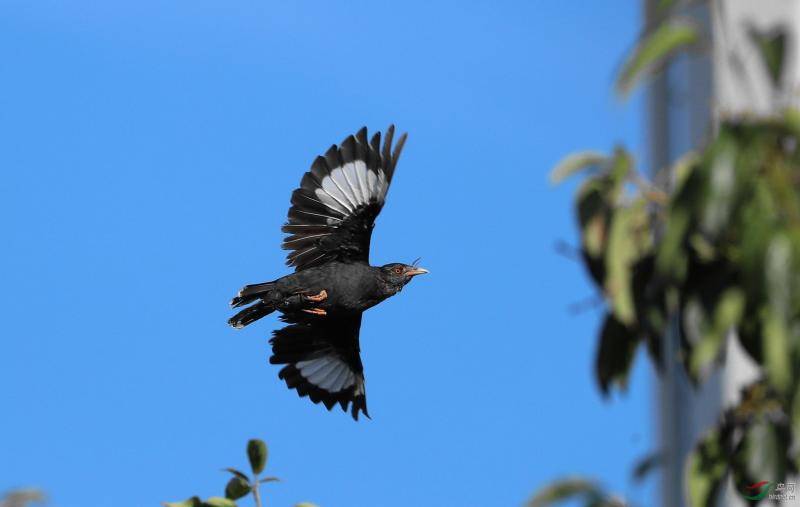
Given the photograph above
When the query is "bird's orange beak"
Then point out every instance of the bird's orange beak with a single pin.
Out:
(416, 271)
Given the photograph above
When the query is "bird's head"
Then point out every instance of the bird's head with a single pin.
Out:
(397, 274)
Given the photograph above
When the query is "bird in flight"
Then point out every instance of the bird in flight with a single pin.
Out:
(329, 228)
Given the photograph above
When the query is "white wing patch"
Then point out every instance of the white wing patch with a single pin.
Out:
(360, 172)
(331, 202)
(327, 372)
(350, 186)
(334, 190)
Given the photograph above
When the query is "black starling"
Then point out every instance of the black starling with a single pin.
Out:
(329, 227)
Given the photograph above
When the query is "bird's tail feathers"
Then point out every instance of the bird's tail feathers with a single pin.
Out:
(259, 293)
(250, 293)
(251, 314)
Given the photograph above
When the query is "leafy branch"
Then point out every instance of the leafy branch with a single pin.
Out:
(715, 257)
(240, 485)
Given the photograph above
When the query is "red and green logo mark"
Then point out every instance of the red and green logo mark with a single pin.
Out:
(758, 490)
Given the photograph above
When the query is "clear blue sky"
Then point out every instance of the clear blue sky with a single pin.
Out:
(148, 151)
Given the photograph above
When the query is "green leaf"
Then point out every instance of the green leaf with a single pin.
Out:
(269, 479)
(622, 252)
(791, 119)
(729, 311)
(757, 228)
(778, 270)
(719, 199)
(621, 166)
(649, 302)
(615, 354)
(776, 345)
(574, 163)
(727, 315)
(772, 48)
(597, 198)
(776, 322)
(217, 501)
(191, 502)
(565, 489)
(671, 256)
(706, 467)
(257, 454)
(238, 474)
(237, 488)
(593, 210)
(682, 168)
(654, 49)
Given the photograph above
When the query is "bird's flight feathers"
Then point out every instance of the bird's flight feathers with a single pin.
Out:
(322, 359)
(334, 209)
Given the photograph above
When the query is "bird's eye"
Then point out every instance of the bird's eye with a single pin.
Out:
(398, 270)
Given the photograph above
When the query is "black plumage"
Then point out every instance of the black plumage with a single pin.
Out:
(329, 229)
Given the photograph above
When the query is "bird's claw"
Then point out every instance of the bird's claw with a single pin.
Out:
(322, 296)
(315, 311)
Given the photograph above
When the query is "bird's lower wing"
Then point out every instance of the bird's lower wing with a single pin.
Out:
(322, 358)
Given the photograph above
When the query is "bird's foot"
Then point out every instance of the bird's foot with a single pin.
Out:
(315, 311)
(316, 298)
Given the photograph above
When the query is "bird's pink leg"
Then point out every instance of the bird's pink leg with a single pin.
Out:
(322, 296)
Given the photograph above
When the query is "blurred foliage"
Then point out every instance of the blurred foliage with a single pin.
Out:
(589, 493)
(713, 257)
(586, 492)
(22, 498)
(719, 252)
(240, 485)
(655, 49)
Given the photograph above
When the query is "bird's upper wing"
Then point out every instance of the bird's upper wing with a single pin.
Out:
(333, 212)
(322, 358)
